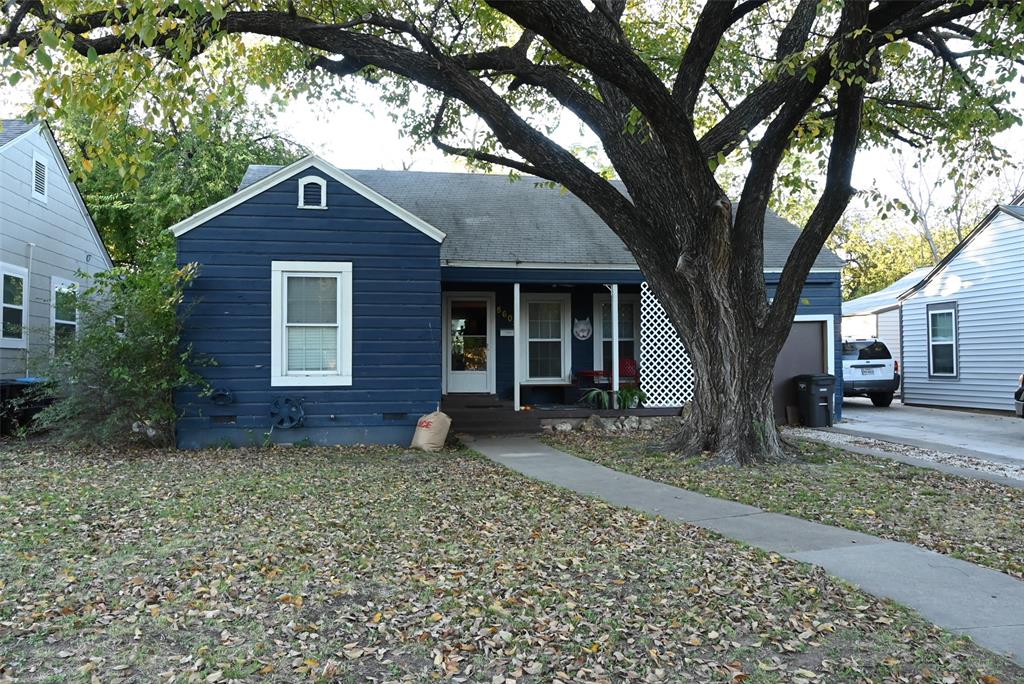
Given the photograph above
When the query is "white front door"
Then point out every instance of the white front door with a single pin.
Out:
(469, 343)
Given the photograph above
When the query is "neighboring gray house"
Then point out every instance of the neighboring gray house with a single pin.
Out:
(878, 314)
(963, 324)
(46, 238)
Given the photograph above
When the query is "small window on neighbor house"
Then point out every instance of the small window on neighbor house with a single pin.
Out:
(312, 193)
(942, 340)
(14, 310)
(39, 178)
(64, 306)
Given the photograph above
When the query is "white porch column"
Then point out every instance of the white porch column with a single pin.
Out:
(615, 341)
(516, 348)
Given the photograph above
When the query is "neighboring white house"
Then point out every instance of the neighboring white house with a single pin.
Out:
(963, 324)
(878, 314)
(46, 239)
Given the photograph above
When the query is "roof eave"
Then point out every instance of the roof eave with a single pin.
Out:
(956, 250)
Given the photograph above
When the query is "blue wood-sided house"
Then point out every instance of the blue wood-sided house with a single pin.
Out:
(366, 297)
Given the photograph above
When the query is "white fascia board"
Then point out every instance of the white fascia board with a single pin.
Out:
(311, 161)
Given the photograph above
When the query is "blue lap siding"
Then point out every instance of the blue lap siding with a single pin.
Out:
(396, 298)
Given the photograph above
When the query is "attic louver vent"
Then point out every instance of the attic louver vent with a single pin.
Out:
(39, 178)
(312, 193)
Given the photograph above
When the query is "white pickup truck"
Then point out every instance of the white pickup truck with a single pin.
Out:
(869, 370)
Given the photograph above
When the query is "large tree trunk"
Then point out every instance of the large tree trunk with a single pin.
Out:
(718, 304)
(731, 414)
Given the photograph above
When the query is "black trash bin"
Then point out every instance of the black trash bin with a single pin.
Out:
(16, 408)
(815, 396)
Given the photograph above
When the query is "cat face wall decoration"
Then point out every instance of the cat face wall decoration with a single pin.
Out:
(582, 329)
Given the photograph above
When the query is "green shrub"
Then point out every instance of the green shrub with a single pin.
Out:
(114, 381)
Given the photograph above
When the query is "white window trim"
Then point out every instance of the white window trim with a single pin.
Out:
(15, 342)
(39, 159)
(278, 376)
(954, 343)
(317, 180)
(56, 284)
(598, 334)
(566, 301)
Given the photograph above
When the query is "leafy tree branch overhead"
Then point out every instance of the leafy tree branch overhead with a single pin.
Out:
(672, 90)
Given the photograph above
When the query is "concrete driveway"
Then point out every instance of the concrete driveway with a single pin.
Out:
(992, 437)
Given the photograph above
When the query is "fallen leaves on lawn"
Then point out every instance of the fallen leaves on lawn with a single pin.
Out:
(972, 519)
(371, 564)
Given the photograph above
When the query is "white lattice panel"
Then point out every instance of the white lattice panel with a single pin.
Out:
(666, 375)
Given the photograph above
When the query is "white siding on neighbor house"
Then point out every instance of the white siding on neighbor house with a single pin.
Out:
(888, 324)
(64, 239)
(859, 327)
(986, 281)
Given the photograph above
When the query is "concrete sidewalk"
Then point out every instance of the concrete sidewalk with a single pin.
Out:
(956, 595)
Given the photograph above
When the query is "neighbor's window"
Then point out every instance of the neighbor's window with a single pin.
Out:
(40, 178)
(312, 193)
(311, 314)
(942, 337)
(14, 313)
(64, 311)
(629, 329)
(547, 337)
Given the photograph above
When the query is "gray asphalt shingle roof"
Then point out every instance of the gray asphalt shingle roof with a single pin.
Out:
(13, 128)
(487, 217)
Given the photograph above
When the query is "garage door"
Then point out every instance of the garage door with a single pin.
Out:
(805, 351)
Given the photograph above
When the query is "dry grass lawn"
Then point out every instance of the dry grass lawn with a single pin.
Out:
(372, 564)
(976, 520)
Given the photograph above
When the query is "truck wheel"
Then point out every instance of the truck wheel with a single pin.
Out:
(881, 400)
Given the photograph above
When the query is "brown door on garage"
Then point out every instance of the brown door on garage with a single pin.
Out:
(804, 352)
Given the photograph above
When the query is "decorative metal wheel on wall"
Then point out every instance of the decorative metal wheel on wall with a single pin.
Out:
(666, 374)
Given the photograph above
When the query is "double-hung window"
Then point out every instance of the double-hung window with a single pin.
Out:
(14, 311)
(547, 349)
(311, 321)
(629, 329)
(64, 313)
(942, 340)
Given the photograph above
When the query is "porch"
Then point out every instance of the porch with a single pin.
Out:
(522, 344)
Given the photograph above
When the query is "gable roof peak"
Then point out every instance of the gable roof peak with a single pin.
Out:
(282, 173)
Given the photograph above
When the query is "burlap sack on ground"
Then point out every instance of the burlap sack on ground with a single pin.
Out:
(431, 431)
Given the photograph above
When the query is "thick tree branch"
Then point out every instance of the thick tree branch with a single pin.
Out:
(714, 20)
(575, 33)
(830, 207)
(476, 155)
(798, 29)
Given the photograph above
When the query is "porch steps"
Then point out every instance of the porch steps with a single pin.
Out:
(487, 415)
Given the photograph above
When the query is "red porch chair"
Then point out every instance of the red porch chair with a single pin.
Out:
(629, 371)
